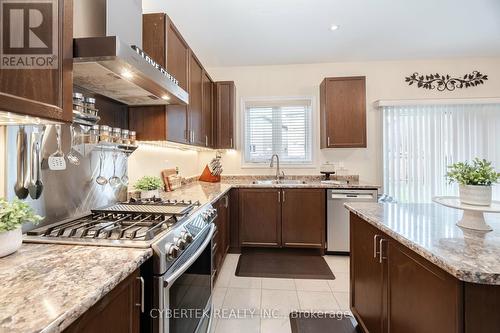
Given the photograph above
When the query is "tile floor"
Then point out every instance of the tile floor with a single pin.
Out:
(262, 305)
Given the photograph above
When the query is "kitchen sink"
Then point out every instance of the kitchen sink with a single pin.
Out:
(277, 182)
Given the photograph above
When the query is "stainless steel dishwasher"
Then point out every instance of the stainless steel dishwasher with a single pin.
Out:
(338, 216)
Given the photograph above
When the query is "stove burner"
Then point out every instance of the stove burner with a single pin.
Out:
(113, 226)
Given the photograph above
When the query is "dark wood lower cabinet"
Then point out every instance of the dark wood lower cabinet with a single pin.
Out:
(260, 217)
(395, 290)
(282, 218)
(222, 236)
(116, 312)
(303, 216)
(366, 276)
(420, 296)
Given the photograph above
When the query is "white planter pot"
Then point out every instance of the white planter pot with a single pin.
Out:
(479, 195)
(10, 241)
(150, 194)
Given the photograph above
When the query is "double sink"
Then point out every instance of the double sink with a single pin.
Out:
(279, 182)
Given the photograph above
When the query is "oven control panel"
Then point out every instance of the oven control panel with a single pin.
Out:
(171, 245)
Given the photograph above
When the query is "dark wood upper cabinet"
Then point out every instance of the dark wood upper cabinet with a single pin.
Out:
(343, 112)
(195, 108)
(44, 93)
(303, 216)
(191, 124)
(260, 217)
(225, 95)
(149, 122)
(208, 111)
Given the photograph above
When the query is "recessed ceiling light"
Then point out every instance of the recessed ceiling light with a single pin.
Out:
(165, 97)
(334, 27)
(126, 74)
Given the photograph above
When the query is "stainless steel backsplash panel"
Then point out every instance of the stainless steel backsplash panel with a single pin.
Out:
(71, 192)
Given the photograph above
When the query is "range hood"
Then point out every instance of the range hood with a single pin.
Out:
(112, 68)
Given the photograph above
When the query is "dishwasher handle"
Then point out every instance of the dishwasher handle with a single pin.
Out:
(351, 196)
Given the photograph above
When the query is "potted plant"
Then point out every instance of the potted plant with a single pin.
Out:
(474, 181)
(12, 216)
(149, 186)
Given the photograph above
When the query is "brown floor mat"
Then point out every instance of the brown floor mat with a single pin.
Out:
(283, 265)
(309, 323)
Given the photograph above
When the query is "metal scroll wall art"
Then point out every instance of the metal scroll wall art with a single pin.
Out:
(446, 82)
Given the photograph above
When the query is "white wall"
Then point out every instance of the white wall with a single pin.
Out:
(384, 80)
(151, 160)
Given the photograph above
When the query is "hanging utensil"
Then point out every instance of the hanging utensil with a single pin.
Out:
(35, 187)
(125, 172)
(22, 164)
(56, 159)
(101, 180)
(114, 181)
(73, 154)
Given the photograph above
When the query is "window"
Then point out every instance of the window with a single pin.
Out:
(421, 141)
(278, 127)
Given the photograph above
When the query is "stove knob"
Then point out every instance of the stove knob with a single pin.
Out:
(180, 243)
(172, 251)
(185, 235)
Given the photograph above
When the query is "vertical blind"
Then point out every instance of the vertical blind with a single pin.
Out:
(278, 127)
(421, 141)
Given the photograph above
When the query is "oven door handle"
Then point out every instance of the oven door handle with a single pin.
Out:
(170, 279)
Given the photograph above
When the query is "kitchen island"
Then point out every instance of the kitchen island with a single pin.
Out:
(414, 270)
(46, 287)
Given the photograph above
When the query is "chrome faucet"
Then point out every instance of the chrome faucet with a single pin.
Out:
(278, 174)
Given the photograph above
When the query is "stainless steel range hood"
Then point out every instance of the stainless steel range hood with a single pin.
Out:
(109, 67)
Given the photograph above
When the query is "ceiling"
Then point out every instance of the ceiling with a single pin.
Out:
(276, 32)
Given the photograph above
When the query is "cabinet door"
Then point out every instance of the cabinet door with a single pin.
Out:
(303, 218)
(150, 122)
(118, 311)
(224, 107)
(207, 110)
(420, 296)
(343, 112)
(195, 108)
(40, 92)
(178, 61)
(260, 217)
(366, 275)
(163, 42)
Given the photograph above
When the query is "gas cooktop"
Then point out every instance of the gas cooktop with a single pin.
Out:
(132, 223)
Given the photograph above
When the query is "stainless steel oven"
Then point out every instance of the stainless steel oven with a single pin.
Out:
(185, 289)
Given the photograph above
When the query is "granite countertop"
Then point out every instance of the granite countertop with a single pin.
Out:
(431, 231)
(45, 287)
(210, 192)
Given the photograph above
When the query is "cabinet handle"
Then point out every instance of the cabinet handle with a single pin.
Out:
(381, 253)
(226, 201)
(206, 140)
(192, 136)
(279, 196)
(140, 278)
(283, 195)
(328, 141)
(375, 241)
(231, 142)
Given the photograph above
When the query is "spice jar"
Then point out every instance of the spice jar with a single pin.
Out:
(125, 137)
(117, 135)
(133, 137)
(104, 134)
(78, 102)
(94, 135)
(89, 105)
